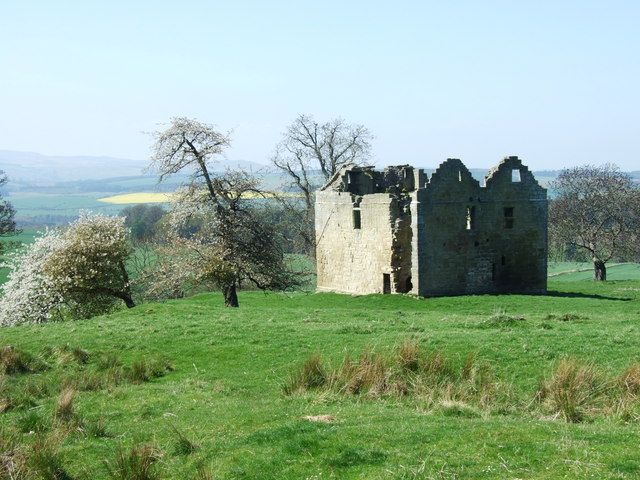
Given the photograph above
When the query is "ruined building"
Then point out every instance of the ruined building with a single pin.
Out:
(397, 231)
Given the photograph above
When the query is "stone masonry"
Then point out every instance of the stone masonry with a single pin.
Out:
(397, 231)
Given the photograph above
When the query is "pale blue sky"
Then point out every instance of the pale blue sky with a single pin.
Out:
(554, 82)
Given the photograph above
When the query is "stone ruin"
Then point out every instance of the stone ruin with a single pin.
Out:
(397, 231)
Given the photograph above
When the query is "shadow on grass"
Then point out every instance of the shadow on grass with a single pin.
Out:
(555, 293)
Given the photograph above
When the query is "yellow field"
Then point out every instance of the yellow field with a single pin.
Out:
(144, 197)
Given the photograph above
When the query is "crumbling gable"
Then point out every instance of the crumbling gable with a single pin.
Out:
(396, 232)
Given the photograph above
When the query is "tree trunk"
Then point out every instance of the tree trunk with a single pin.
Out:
(599, 270)
(125, 296)
(230, 296)
(128, 301)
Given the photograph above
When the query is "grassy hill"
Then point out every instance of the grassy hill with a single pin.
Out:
(197, 389)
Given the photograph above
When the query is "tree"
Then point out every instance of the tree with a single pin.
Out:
(80, 269)
(231, 245)
(310, 153)
(142, 219)
(89, 265)
(7, 213)
(597, 210)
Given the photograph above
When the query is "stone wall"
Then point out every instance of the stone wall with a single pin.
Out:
(390, 232)
(354, 258)
(473, 239)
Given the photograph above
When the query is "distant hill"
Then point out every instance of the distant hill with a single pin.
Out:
(35, 169)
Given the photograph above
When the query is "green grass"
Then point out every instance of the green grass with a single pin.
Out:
(554, 268)
(577, 271)
(222, 411)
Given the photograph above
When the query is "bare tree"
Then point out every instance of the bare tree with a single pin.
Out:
(310, 153)
(597, 210)
(231, 245)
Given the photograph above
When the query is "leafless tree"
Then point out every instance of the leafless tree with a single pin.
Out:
(597, 210)
(231, 245)
(310, 153)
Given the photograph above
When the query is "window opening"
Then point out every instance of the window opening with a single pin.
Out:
(515, 175)
(503, 260)
(459, 175)
(386, 283)
(508, 217)
(471, 218)
(357, 219)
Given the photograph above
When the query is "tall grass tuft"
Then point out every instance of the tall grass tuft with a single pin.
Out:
(33, 421)
(500, 319)
(95, 428)
(138, 463)
(408, 355)
(368, 375)
(66, 354)
(9, 442)
(409, 370)
(139, 372)
(310, 376)
(573, 390)
(630, 380)
(108, 361)
(43, 461)
(143, 371)
(14, 360)
(182, 444)
(202, 472)
(64, 406)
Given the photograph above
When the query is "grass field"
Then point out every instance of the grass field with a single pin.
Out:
(573, 271)
(220, 411)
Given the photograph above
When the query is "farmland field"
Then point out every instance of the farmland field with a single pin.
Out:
(31, 205)
(139, 197)
(223, 407)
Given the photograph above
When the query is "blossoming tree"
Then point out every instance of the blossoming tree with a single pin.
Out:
(81, 268)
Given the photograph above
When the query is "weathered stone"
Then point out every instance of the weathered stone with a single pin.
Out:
(394, 232)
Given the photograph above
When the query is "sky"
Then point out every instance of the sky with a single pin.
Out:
(556, 83)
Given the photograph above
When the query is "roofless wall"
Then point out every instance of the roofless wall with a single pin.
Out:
(396, 232)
